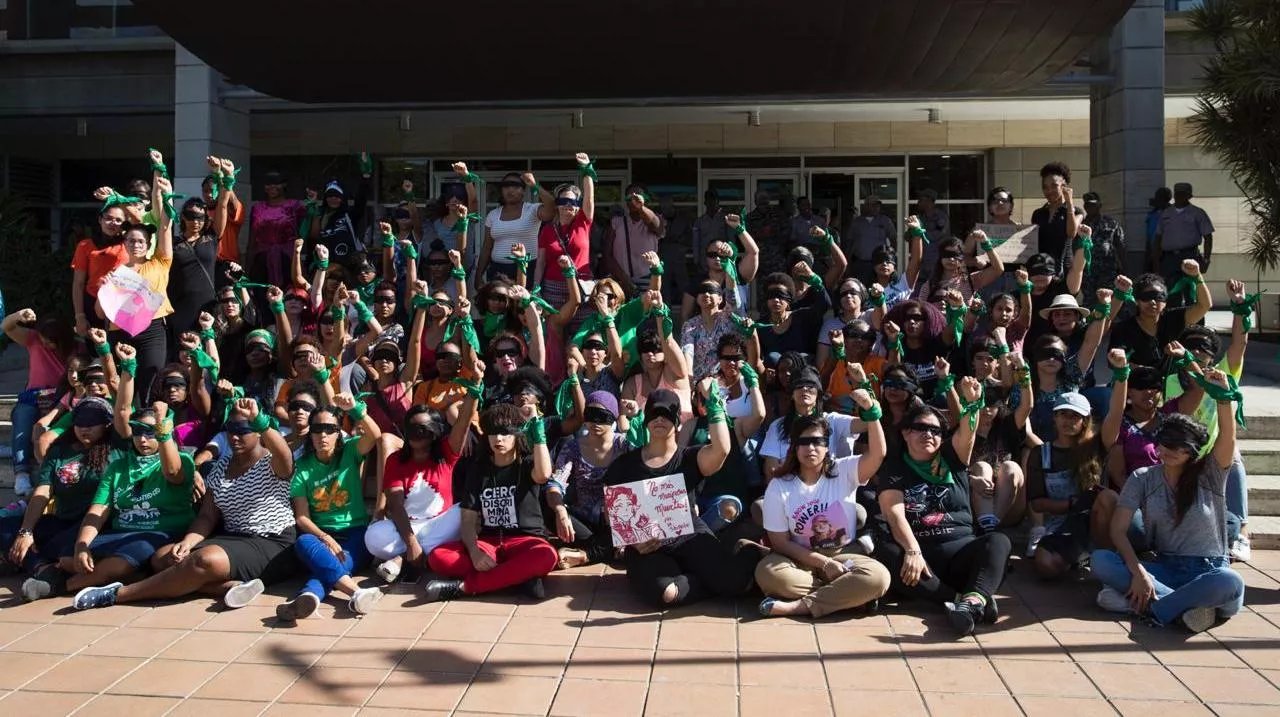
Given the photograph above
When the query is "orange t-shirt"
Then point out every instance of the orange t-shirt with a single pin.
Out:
(229, 242)
(282, 397)
(438, 394)
(840, 388)
(97, 263)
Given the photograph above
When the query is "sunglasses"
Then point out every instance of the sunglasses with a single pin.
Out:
(909, 318)
(926, 428)
(1154, 296)
(323, 429)
(305, 406)
(732, 357)
(815, 441)
(506, 353)
(417, 431)
(594, 346)
(195, 216)
(568, 202)
(599, 416)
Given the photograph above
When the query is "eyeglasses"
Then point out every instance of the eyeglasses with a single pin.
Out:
(926, 428)
(815, 441)
(323, 429)
(511, 352)
(305, 406)
(384, 299)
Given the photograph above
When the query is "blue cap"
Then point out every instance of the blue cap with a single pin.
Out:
(1074, 402)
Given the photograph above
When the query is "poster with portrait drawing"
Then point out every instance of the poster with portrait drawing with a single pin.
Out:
(643, 510)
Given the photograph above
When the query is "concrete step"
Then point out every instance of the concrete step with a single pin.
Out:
(1261, 457)
(1264, 495)
(1260, 427)
(1264, 532)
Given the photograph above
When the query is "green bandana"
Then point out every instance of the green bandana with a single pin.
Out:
(935, 471)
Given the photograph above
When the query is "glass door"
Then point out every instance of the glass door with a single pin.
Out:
(884, 189)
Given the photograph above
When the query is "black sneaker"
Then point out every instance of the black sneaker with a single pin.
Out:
(963, 616)
(990, 611)
(437, 590)
(535, 589)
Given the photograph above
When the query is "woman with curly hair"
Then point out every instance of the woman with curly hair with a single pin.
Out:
(915, 335)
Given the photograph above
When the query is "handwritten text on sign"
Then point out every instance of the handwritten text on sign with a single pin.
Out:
(1020, 242)
(643, 510)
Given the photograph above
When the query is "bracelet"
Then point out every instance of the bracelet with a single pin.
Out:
(260, 422)
(911, 552)
(25, 532)
(102, 349)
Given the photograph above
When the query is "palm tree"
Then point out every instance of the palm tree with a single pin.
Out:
(1238, 109)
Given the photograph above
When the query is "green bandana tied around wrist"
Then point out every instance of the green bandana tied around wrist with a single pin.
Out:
(1181, 363)
(657, 270)
(473, 388)
(564, 397)
(208, 334)
(1024, 288)
(472, 178)
(228, 181)
(986, 245)
(971, 409)
(945, 384)
(1125, 296)
(914, 232)
(322, 375)
(740, 228)
(869, 415)
(866, 383)
(1100, 312)
(363, 312)
(1084, 243)
(118, 200)
(205, 361)
(637, 432)
(338, 312)
(319, 265)
(999, 350)
(665, 312)
(260, 422)
(458, 273)
(411, 251)
(955, 321)
(1245, 309)
(102, 349)
(1188, 284)
(535, 430)
(129, 366)
(213, 180)
(169, 209)
(521, 261)
(358, 411)
(749, 375)
(828, 240)
(408, 197)
(838, 351)
(313, 207)
(535, 297)
(935, 471)
(229, 402)
(388, 240)
(586, 170)
(366, 164)
(1022, 375)
(422, 302)
(1121, 374)
(896, 345)
(715, 407)
(276, 307)
(493, 321)
(743, 327)
(815, 281)
(568, 272)
(730, 268)
(876, 300)
(462, 325)
(1220, 394)
(464, 223)
(158, 167)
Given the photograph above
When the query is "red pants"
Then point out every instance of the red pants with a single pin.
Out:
(519, 557)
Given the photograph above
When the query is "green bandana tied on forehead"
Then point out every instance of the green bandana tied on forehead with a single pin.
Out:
(265, 336)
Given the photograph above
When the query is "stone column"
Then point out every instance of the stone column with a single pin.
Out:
(204, 125)
(1126, 121)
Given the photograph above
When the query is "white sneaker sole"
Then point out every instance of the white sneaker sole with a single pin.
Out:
(243, 594)
(299, 608)
(1199, 619)
(1112, 600)
(363, 601)
(388, 570)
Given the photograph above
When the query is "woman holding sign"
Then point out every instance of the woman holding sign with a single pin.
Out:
(811, 515)
(689, 564)
(150, 339)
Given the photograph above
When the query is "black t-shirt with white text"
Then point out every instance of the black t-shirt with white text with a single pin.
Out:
(506, 497)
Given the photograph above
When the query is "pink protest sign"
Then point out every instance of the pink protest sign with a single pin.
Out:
(655, 508)
(128, 301)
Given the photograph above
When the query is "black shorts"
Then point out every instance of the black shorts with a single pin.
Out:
(1071, 540)
(269, 558)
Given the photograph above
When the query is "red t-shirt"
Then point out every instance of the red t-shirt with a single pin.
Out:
(577, 235)
(438, 477)
(97, 263)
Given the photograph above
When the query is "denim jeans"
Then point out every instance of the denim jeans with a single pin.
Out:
(1237, 490)
(326, 568)
(24, 420)
(1181, 583)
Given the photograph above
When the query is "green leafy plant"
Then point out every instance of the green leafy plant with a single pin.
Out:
(31, 275)
(1238, 110)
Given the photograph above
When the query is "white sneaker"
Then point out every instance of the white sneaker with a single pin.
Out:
(243, 594)
(1112, 600)
(22, 485)
(1033, 539)
(1199, 619)
(1240, 550)
(868, 545)
(388, 570)
(363, 600)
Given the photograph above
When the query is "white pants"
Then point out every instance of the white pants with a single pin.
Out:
(384, 542)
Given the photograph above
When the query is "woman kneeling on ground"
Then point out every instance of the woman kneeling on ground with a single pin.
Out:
(1185, 517)
(248, 494)
(328, 507)
(927, 535)
(811, 514)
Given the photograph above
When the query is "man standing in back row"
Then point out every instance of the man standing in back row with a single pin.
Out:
(1178, 235)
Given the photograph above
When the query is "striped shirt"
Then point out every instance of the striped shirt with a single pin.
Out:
(255, 503)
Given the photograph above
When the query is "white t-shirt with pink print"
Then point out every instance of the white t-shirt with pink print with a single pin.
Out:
(822, 516)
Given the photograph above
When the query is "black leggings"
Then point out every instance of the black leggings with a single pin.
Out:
(593, 539)
(153, 348)
(700, 567)
(974, 564)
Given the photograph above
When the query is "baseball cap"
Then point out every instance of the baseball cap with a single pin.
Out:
(1073, 401)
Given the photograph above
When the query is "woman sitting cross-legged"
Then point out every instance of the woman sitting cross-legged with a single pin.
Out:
(927, 537)
(503, 533)
(1185, 517)
(811, 514)
(248, 495)
(328, 507)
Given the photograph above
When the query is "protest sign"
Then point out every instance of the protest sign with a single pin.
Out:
(643, 510)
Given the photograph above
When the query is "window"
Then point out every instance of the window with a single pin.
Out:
(80, 177)
(74, 20)
(959, 180)
(303, 172)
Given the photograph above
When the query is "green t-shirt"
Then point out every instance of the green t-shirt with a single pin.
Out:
(141, 498)
(333, 491)
(1206, 414)
(72, 481)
